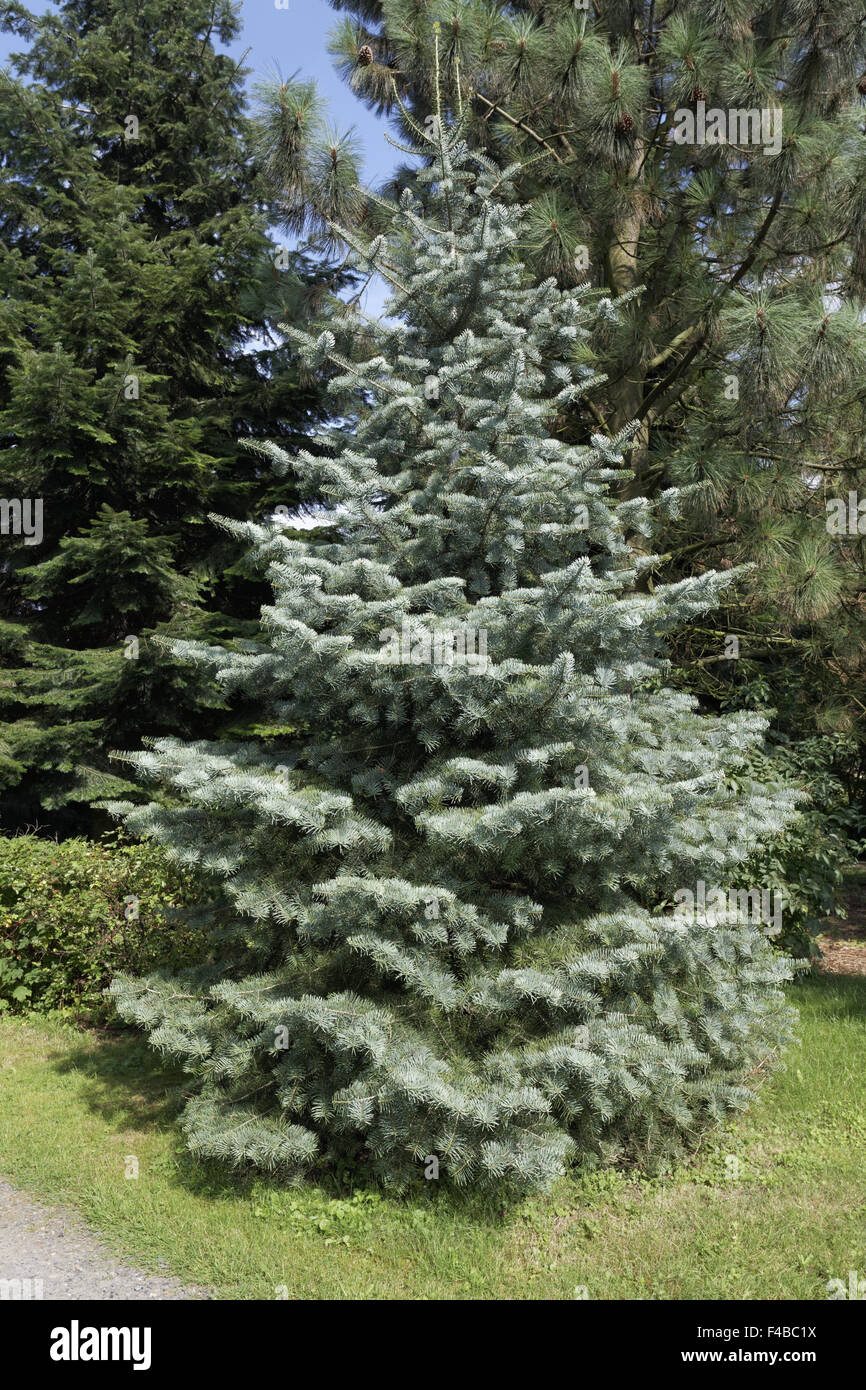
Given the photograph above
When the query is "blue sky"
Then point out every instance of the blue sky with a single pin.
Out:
(294, 40)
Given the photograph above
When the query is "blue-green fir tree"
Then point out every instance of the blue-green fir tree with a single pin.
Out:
(441, 924)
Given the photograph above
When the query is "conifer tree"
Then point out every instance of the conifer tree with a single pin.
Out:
(440, 941)
(714, 154)
(138, 344)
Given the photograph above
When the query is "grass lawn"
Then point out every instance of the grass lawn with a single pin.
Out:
(773, 1207)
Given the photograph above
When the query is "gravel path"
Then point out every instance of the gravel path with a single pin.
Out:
(50, 1244)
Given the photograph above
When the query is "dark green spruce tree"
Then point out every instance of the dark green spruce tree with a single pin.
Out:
(139, 294)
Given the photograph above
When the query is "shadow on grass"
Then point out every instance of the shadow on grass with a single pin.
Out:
(839, 996)
(129, 1086)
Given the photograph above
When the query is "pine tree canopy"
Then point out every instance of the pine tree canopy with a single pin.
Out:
(439, 922)
(714, 154)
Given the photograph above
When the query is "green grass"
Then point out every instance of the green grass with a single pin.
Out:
(786, 1217)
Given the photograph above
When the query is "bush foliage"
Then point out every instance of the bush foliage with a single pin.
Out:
(74, 913)
(810, 858)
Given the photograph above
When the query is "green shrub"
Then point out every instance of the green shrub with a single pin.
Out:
(74, 913)
(810, 858)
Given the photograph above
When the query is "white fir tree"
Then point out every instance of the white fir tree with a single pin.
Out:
(441, 929)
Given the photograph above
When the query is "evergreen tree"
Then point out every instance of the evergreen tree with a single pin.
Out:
(138, 344)
(713, 154)
(438, 924)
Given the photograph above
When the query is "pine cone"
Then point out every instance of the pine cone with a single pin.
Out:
(698, 94)
(365, 56)
(625, 124)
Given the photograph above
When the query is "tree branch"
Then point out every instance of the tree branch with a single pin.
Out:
(519, 125)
